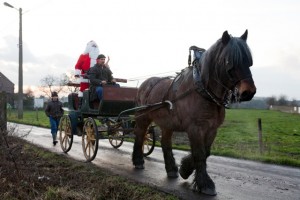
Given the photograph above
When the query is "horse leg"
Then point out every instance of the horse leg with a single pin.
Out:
(139, 131)
(200, 146)
(166, 144)
(187, 166)
(202, 182)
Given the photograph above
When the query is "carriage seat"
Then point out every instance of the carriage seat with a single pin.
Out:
(114, 100)
(94, 104)
(73, 100)
(86, 103)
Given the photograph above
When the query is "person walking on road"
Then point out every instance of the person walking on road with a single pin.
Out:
(54, 111)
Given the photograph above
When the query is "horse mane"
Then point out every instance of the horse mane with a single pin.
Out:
(236, 52)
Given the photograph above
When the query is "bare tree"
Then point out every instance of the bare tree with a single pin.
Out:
(282, 100)
(271, 101)
(51, 83)
(294, 102)
(70, 82)
(28, 98)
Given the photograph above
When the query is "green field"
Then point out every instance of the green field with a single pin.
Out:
(238, 136)
(37, 118)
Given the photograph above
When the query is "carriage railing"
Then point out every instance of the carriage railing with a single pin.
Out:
(75, 84)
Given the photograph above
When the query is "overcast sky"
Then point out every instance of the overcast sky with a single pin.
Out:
(145, 38)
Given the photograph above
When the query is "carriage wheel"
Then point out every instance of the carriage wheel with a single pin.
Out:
(115, 137)
(90, 139)
(65, 133)
(149, 141)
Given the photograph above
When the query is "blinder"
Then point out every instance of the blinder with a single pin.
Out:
(238, 72)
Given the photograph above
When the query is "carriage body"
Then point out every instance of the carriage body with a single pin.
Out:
(115, 100)
(111, 118)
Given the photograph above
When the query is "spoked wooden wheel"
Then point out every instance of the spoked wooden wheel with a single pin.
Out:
(65, 133)
(90, 139)
(149, 141)
(115, 135)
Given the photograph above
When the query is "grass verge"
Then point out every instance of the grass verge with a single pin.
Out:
(31, 172)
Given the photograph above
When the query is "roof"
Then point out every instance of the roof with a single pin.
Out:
(5, 84)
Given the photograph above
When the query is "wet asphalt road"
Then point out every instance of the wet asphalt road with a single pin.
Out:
(234, 179)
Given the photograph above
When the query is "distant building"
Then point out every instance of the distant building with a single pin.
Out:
(287, 109)
(7, 86)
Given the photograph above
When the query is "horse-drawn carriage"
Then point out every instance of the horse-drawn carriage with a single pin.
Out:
(193, 102)
(111, 118)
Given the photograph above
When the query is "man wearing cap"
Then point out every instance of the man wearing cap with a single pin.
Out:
(54, 111)
(99, 75)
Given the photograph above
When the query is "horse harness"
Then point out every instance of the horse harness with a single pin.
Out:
(208, 94)
(205, 92)
(198, 86)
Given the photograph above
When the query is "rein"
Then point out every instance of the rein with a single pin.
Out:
(183, 95)
(201, 89)
(149, 91)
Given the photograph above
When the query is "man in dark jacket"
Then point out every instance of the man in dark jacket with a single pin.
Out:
(99, 75)
(54, 111)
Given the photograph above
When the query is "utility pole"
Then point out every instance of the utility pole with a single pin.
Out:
(20, 93)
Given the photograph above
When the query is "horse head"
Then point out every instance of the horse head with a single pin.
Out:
(232, 64)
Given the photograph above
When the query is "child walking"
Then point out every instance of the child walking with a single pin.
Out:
(54, 111)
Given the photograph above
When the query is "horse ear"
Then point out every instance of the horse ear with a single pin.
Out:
(245, 35)
(225, 37)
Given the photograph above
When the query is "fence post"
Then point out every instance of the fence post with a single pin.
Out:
(37, 113)
(260, 136)
(3, 118)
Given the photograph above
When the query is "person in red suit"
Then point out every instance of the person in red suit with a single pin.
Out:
(85, 61)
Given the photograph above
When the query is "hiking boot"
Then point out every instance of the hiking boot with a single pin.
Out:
(54, 143)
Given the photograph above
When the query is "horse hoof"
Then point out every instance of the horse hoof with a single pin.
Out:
(186, 169)
(183, 175)
(209, 191)
(172, 174)
(139, 167)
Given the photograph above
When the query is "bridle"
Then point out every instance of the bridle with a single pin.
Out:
(201, 89)
(231, 95)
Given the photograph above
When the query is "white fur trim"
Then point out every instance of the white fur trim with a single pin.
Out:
(77, 80)
(80, 94)
(93, 62)
(77, 72)
(84, 80)
(93, 51)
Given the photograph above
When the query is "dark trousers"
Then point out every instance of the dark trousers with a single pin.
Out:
(54, 122)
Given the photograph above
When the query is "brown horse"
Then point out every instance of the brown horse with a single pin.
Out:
(198, 95)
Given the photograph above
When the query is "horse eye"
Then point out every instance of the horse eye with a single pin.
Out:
(230, 73)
